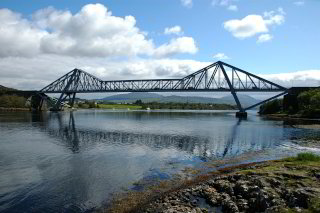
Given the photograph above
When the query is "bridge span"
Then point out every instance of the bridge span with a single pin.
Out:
(216, 77)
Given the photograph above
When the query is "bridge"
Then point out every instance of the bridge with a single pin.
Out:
(216, 77)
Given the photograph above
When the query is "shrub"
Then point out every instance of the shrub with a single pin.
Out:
(305, 156)
(271, 107)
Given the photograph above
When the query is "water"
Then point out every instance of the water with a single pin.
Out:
(73, 162)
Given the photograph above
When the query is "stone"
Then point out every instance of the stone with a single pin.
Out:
(241, 188)
(229, 206)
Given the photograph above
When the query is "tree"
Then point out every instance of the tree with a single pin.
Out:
(138, 102)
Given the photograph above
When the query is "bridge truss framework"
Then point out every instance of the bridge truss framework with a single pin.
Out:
(216, 77)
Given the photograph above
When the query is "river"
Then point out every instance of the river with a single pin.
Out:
(74, 162)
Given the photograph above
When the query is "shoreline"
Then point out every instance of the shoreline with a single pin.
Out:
(240, 188)
(289, 117)
(13, 109)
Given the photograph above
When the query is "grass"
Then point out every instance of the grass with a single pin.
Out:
(305, 157)
(118, 106)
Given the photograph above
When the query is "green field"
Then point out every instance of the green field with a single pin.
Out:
(118, 106)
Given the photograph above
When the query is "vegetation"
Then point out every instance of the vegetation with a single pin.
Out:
(308, 105)
(191, 106)
(92, 104)
(118, 106)
(305, 156)
(12, 101)
(87, 105)
(271, 107)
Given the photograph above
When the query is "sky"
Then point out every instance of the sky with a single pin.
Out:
(142, 39)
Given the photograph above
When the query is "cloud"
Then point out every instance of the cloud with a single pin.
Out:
(254, 24)
(264, 38)
(91, 32)
(309, 78)
(221, 56)
(177, 45)
(177, 30)
(225, 3)
(39, 71)
(187, 3)
(299, 3)
(233, 7)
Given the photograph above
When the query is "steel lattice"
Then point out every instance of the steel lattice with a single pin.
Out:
(218, 76)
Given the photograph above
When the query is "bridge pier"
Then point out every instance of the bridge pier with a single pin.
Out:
(241, 114)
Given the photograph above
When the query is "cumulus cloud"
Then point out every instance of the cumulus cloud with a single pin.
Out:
(91, 32)
(177, 30)
(177, 45)
(221, 56)
(28, 73)
(187, 3)
(264, 38)
(254, 24)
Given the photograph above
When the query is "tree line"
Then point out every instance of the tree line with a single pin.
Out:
(308, 105)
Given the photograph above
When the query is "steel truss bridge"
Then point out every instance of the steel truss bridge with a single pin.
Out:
(217, 77)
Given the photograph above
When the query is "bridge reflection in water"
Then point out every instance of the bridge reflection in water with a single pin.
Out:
(72, 162)
(223, 142)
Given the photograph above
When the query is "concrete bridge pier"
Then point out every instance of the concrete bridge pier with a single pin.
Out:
(241, 114)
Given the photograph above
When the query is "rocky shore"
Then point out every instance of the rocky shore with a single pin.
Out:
(288, 185)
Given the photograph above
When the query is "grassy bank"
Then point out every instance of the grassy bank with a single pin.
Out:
(13, 109)
(118, 106)
(287, 185)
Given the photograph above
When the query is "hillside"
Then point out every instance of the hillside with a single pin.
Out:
(246, 100)
(4, 89)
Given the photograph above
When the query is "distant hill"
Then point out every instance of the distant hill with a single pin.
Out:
(245, 100)
(4, 89)
(133, 96)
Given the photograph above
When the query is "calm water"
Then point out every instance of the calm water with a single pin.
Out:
(73, 162)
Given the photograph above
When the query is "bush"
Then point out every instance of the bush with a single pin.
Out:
(271, 107)
(309, 100)
(305, 156)
(12, 101)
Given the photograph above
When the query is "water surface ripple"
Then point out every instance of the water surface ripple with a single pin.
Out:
(73, 162)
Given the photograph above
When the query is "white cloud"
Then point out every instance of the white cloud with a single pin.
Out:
(39, 71)
(221, 56)
(177, 45)
(264, 38)
(173, 30)
(91, 32)
(229, 4)
(307, 78)
(233, 7)
(246, 27)
(254, 24)
(187, 3)
(299, 3)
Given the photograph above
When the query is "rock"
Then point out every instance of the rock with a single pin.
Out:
(274, 182)
(260, 202)
(300, 198)
(259, 182)
(229, 206)
(212, 197)
(241, 188)
(224, 186)
(242, 204)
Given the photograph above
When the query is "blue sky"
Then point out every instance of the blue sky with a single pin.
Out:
(264, 37)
